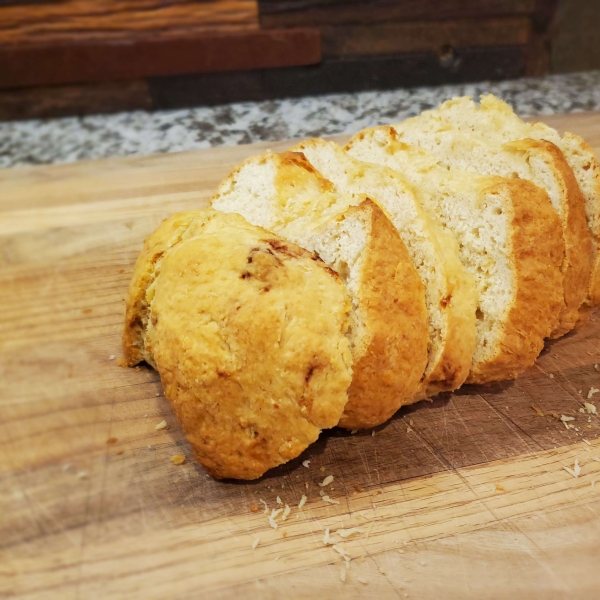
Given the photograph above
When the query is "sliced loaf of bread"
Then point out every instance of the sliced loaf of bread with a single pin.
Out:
(509, 238)
(388, 336)
(496, 121)
(450, 290)
(538, 161)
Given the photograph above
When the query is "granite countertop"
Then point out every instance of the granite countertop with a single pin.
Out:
(139, 132)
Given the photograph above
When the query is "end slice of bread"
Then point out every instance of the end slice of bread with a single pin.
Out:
(247, 332)
(495, 121)
(450, 291)
(540, 162)
(509, 239)
(388, 337)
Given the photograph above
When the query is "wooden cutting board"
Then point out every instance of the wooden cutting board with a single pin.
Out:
(462, 497)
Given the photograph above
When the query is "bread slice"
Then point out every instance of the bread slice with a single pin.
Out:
(282, 192)
(496, 121)
(485, 150)
(248, 333)
(509, 239)
(450, 290)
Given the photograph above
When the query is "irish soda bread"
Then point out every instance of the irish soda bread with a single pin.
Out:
(540, 162)
(495, 120)
(388, 336)
(248, 334)
(450, 291)
(509, 239)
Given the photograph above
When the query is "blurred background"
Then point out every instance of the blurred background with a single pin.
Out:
(83, 57)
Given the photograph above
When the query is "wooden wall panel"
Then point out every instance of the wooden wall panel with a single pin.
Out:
(422, 36)
(103, 20)
(281, 13)
(103, 62)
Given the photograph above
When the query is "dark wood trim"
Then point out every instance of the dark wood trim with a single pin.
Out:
(543, 29)
(97, 62)
(423, 36)
(339, 76)
(296, 13)
(74, 100)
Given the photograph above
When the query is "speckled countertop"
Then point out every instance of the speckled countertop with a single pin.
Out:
(139, 132)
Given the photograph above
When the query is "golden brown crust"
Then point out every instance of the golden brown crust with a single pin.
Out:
(248, 334)
(578, 246)
(585, 150)
(392, 304)
(537, 253)
(455, 361)
(168, 233)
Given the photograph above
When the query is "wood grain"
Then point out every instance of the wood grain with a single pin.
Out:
(84, 20)
(462, 497)
(422, 36)
(281, 13)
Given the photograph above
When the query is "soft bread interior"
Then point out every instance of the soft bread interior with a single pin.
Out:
(434, 252)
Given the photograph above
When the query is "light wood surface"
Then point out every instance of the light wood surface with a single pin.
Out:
(463, 497)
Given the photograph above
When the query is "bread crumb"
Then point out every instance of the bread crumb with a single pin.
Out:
(111, 440)
(580, 392)
(551, 375)
(348, 532)
(341, 551)
(286, 512)
(362, 580)
(499, 487)
(596, 458)
(596, 367)
(373, 433)
(326, 481)
(306, 463)
(575, 471)
(326, 538)
(284, 534)
(582, 410)
(408, 430)
(330, 500)
(255, 543)
(423, 563)
(322, 469)
(586, 442)
(82, 474)
(274, 513)
(157, 394)
(564, 419)
(590, 408)
(112, 357)
(278, 500)
(178, 459)
(261, 501)
(592, 391)
(354, 431)
(537, 410)
(358, 488)
(146, 416)
(254, 508)
(302, 501)
(343, 575)
(161, 425)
